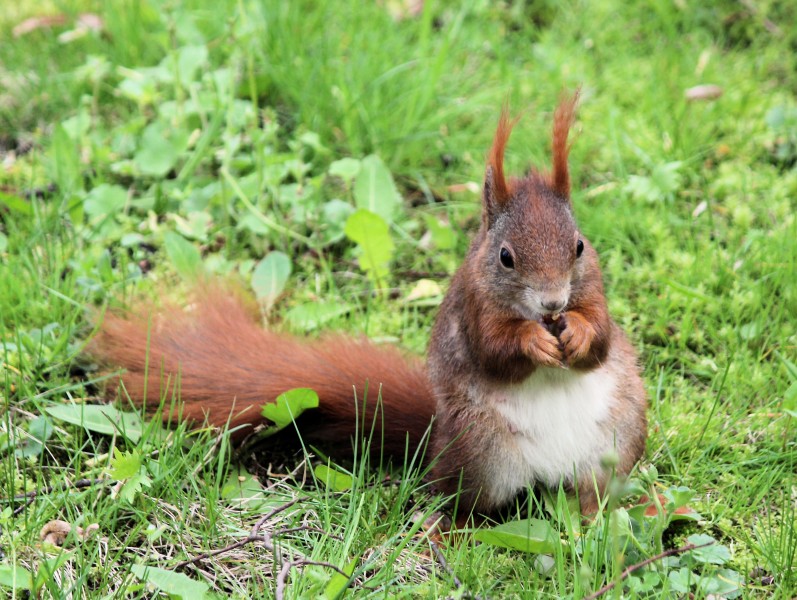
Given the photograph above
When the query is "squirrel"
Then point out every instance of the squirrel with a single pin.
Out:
(528, 380)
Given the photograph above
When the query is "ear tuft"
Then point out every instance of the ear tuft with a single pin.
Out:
(496, 191)
(562, 121)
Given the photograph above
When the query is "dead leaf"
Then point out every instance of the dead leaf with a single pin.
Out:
(699, 209)
(469, 186)
(90, 21)
(32, 24)
(403, 9)
(424, 288)
(708, 91)
(86, 22)
(652, 510)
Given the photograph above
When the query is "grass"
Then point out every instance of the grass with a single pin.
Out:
(126, 154)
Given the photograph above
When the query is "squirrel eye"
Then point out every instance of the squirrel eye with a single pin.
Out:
(579, 248)
(506, 258)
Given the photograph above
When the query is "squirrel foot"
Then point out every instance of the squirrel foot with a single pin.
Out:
(576, 337)
(542, 347)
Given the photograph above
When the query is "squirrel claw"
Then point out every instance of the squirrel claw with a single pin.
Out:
(542, 347)
(577, 338)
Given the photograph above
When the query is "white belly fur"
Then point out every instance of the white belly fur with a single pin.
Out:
(556, 426)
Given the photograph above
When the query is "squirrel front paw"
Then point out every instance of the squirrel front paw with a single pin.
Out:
(542, 347)
(576, 336)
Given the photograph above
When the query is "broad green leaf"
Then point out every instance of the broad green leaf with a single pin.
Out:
(183, 254)
(16, 204)
(312, 316)
(692, 515)
(132, 240)
(39, 431)
(682, 580)
(790, 396)
(662, 183)
(78, 125)
(333, 479)
(159, 149)
(544, 564)
(270, 276)
(374, 189)
(196, 226)
(677, 504)
(312, 140)
(530, 535)
(777, 117)
(345, 168)
(185, 27)
(64, 161)
(15, 577)
(715, 554)
(335, 213)
(725, 583)
(243, 490)
(338, 583)
(101, 418)
(189, 60)
(791, 368)
(443, 235)
(174, 584)
(105, 200)
(47, 569)
(680, 496)
(75, 208)
(125, 464)
(642, 584)
(133, 485)
(287, 407)
(253, 224)
(3, 242)
(750, 331)
(371, 233)
(138, 89)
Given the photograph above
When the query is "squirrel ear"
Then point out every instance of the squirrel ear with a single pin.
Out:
(492, 201)
(496, 191)
(562, 121)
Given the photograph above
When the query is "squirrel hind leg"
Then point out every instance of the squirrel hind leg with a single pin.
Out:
(590, 489)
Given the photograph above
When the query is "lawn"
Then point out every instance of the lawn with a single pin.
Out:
(145, 142)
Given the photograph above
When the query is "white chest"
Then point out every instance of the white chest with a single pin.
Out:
(558, 424)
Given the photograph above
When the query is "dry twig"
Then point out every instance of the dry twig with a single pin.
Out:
(672, 552)
(441, 560)
(265, 537)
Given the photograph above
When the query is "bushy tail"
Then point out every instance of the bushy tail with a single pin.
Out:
(226, 367)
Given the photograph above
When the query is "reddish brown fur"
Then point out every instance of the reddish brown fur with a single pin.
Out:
(501, 188)
(486, 336)
(507, 347)
(562, 121)
(227, 367)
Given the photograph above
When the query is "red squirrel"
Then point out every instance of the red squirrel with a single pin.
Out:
(528, 380)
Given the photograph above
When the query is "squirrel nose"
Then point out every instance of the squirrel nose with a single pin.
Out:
(554, 306)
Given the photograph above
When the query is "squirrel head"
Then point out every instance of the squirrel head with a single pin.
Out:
(530, 251)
